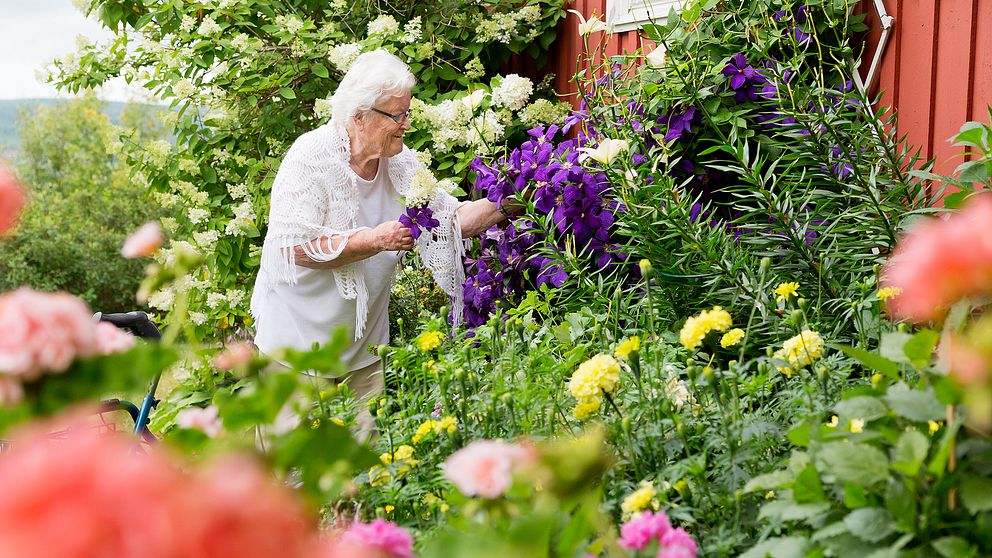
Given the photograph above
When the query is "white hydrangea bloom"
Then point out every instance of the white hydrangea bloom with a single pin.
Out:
(422, 189)
(197, 215)
(198, 318)
(343, 56)
(187, 24)
(291, 24)
(412, 31)
(542, 112)
(158, 152)
(166, 200)
(244, 217)
(162, 300)
(83, 42)
(485, 131)
(169, 224)
(240, 42)
(235, 297)
(423, 156)
(189, 166)
(183, 89)
(238, 191)
(513, 92)
(383, 25)
(209, 27)
(322, 108)
(206, 239)
(215, 299)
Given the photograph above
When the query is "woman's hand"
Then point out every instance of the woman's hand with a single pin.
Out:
(392, 235)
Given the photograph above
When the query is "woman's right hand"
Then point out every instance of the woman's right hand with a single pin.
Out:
(392, 235)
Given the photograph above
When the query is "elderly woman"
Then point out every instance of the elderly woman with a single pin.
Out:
(334, 240)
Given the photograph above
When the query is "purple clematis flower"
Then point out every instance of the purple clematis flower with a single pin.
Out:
(419, 219)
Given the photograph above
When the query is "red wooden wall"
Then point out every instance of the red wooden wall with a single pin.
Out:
(936, 71)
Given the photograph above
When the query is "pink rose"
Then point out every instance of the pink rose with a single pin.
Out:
(940, 261)
(644, 529)
(144, 242)
(80, 498)
(234, 356)
(204, 419)
(484, 467)
(43, 332)
(676, 543)
(380, 536)
(12, 200)
(110, 339)
(11, 391)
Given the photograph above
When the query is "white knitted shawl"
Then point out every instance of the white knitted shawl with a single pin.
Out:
(315, 194)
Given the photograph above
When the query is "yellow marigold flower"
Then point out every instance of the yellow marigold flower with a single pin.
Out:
(834, 421)
(598, 374)
(769, 495)
(424, 430)
(379, 476)
(785, 290)
(857, 425)
(639, 499)
(800, 351)
(337, 421)
(934, 426)
(390, 508)
(586, 407)
(447, 424)
(631, 345)
(732, 337)
(386, 458)
(429, 340)
(444, 508)
(885, 293)
(876, 379)
(403, 453)
(696, 327)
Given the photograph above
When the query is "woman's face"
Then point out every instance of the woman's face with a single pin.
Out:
(381, 135)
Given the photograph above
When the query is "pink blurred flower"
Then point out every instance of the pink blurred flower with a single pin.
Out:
(644, 529)
(43, 332)
(234, 356)
(676, 543)
(12, 200)
(110, 339)
(11, 391)
(143, 242)
(940, 261)
(484, 467)
(962, 360)
(88, 495)
(380, 535)
(204, 419)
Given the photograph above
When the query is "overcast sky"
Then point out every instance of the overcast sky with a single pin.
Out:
(32, 33)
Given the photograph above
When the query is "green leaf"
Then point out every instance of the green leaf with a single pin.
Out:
(901, 504)
(787, 510)
(799, 434)
(779, 547)
(919, 348)
(807, 487)
(893, 346)
(976, 494)
(861, 407)
(871, 360)
(327, 457)
(973, 134)
(256, 403)
(910, 452)
(856, 463)
(920, 406)
(287, 93)
(325, 359)
(319, 70)
(854, 496)
(954, 547)
(769, 481)
(870, 524)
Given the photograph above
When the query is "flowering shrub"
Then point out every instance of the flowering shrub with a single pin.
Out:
(257, 68)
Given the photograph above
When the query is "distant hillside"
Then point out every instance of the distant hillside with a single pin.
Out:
(9, 110)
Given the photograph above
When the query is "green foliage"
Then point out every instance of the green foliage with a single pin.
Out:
(82, 206)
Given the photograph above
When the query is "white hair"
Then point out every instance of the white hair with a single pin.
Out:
(373, 76)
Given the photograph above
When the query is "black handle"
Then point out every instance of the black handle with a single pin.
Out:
(137, 322)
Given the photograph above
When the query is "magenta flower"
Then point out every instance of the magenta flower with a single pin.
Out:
(380, 535)
(644, 529)
(676, 543)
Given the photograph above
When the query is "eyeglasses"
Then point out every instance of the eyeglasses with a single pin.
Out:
(397, 118)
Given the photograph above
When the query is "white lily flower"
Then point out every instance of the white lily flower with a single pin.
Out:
(656, 58)
(593, 25)
(605, 152)
(474, 99)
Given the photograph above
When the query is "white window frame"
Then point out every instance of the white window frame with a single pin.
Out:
(629, 15)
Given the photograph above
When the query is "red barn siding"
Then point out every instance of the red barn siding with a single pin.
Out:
(936, 72)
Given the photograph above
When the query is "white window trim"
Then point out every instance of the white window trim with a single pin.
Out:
(629, 15)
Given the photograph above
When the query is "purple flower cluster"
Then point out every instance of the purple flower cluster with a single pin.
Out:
(795, 26)
(743, 78)
(545, 167)
(419, 219)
